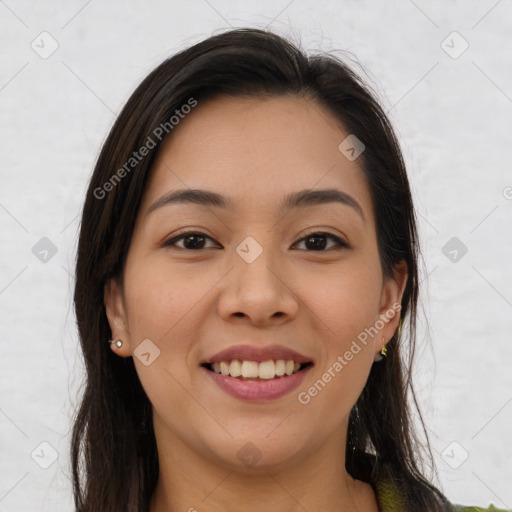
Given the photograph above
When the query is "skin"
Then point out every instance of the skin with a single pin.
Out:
(193, 303)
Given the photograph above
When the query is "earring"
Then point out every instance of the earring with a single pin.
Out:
(118, 343)
(382, 354)
(400, 324)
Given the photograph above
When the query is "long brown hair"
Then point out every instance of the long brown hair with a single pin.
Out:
(114, 453)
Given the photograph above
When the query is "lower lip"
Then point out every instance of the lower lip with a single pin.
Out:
(258, 390)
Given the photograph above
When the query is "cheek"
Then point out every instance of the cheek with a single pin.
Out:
(159, 308)
(346, 299)
(159, 297)
(345, 306)
(163, 306)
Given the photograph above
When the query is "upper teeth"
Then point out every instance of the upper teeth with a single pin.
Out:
(252, 369)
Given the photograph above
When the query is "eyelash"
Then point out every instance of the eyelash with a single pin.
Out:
(172, 242)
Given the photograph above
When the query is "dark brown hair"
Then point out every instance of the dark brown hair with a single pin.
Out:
(114, 455)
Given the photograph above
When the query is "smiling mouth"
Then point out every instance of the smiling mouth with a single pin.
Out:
(255, 371)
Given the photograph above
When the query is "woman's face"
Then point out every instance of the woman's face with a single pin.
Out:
(254, 275)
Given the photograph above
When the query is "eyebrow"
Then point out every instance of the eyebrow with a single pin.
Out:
(300, 199)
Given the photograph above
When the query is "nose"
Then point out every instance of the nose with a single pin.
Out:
(259, 292)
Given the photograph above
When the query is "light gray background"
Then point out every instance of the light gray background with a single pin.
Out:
(454, 119)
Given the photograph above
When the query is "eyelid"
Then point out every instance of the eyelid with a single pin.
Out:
(180, 234)
(341, 239)
(183, 233)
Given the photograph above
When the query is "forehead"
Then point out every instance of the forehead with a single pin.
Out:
(256, 151)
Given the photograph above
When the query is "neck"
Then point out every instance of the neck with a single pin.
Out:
(314, 480)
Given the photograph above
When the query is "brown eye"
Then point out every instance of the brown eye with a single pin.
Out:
(195, 241)
(192, 240)
(317, 241)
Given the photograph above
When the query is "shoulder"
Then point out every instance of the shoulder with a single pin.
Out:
(466, 508)
(390, 499)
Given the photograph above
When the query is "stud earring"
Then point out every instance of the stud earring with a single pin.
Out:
(118, 343)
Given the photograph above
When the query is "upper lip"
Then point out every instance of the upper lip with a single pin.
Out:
(259, 354)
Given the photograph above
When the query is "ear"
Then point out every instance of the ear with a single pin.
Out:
(390, 303)
(115, 308)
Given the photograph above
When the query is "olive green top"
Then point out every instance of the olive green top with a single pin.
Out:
(478, 509)
(390, 500)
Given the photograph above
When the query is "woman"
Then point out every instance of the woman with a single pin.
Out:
(247, 259)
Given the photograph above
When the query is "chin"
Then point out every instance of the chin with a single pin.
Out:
(254, 455)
